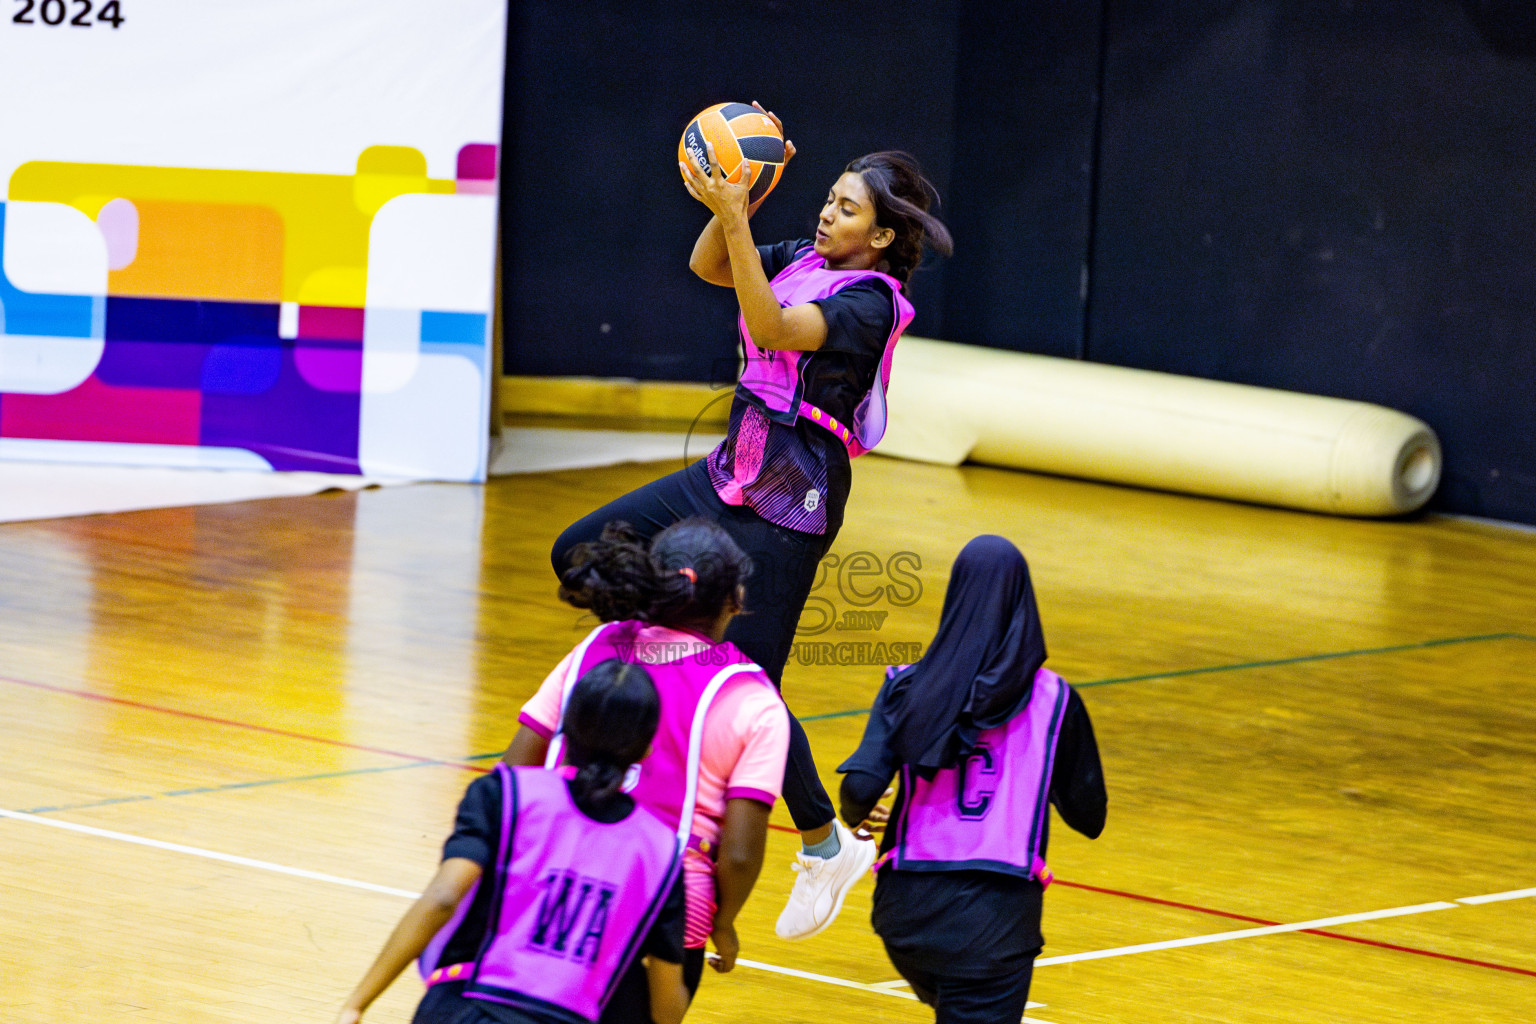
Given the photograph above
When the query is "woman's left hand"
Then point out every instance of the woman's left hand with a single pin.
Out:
(880, 814)
(727, 946)
(789, 147)
(723, 198)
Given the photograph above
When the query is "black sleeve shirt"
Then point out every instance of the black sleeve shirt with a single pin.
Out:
(476, 833)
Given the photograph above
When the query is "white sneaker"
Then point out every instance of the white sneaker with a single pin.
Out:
(823, 884)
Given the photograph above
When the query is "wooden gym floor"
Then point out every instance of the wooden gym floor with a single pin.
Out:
(235, 735)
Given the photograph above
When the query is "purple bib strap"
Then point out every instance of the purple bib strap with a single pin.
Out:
(450, 972)
(439, 942)
(826, 419)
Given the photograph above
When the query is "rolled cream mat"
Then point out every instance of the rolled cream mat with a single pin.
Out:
(950, 403)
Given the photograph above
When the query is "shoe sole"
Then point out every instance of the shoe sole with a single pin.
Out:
(837, 907)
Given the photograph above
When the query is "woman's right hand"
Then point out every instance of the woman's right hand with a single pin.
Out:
(789, 147)
(723, 198)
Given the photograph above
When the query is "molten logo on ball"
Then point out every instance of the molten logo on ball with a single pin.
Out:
(747, 145)
(693, 143)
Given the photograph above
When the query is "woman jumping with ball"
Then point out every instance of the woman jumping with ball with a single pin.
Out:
(819, 320)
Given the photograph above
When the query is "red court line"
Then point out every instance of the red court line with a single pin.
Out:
(1167, 903)
(196, 716)
(1424, 952)
(1305, 931)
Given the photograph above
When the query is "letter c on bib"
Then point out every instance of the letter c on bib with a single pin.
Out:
(976, 783)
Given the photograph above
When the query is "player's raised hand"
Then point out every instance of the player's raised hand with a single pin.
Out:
(723, 197)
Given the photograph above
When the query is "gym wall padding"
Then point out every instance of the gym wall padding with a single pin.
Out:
(598, 227)
(1026, 101)
(952, 403)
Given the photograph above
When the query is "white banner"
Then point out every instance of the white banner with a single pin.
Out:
(262, 229)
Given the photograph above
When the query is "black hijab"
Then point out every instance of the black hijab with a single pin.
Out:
(979, 668)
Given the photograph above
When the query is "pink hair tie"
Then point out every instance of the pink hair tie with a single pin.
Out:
(693, 577)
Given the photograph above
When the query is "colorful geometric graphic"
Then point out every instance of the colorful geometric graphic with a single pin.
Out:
(338, 323)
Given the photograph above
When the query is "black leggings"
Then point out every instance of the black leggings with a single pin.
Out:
(996, 1000)
(784, 570)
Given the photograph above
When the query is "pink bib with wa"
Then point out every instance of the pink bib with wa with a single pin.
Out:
(574, 900)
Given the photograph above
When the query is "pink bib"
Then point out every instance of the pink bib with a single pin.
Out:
(772, 376)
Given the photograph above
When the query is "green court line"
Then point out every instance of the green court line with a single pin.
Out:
(94, 803)
(832, 714)
(1422, 645)
(808, 718)
(51, 809)
(1396, 648)
(251, 785)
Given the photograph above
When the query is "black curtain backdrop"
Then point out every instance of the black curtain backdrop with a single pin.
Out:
(1324, 196)
(1026, 110)
(597, 225)
(1334, 198)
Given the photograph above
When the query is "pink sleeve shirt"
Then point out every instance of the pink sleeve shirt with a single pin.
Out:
(542, 712)
(746, 738)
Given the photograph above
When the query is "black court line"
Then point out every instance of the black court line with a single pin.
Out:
(1211, 670)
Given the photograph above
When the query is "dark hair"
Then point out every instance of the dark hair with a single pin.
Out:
(683, 578)
(608, 725)
(903, 197)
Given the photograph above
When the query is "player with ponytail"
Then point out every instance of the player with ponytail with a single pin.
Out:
(819, 319)
(902, 199)
(667, 604)
(518, 883)
(610, 721)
